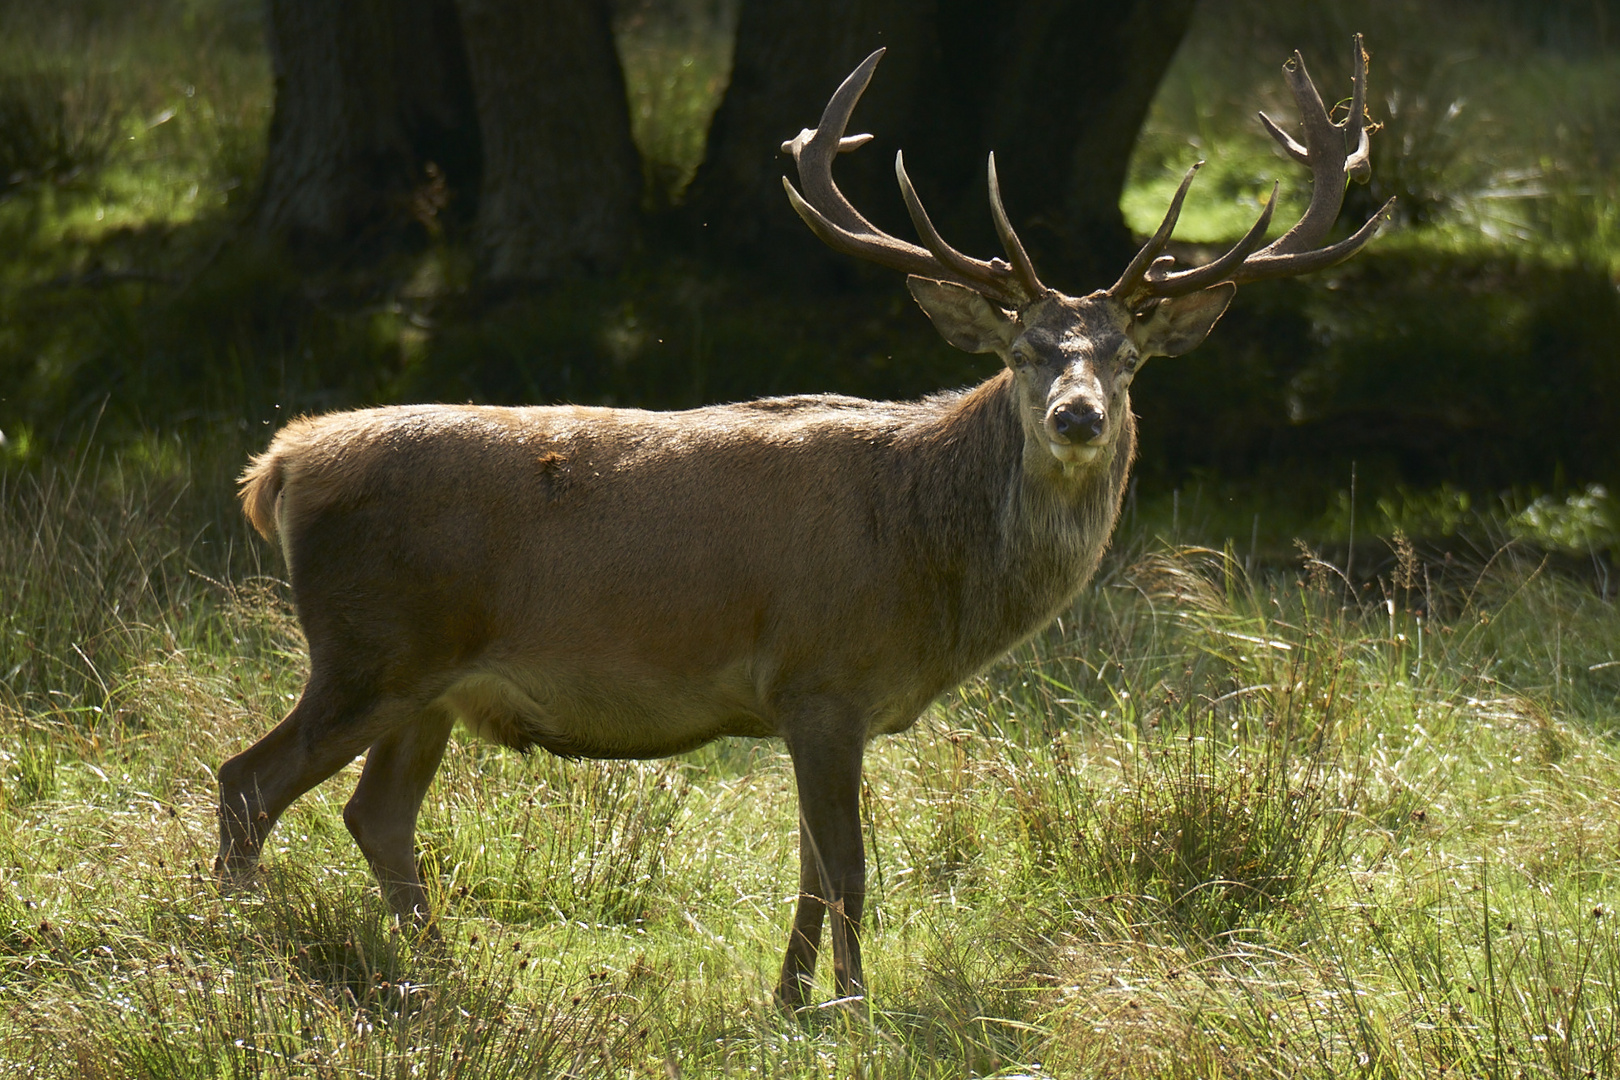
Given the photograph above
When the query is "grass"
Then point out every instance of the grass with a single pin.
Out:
(1212, 823)
(1238, 813)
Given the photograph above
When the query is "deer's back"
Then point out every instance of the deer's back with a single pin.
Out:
(563, 575)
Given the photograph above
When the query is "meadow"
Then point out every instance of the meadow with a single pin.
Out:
(1214, 823)
(1257, 806)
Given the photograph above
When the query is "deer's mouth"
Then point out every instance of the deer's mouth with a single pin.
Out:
(1074, 453)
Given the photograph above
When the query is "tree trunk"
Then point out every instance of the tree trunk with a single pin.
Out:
(561, 178)
(368, 93)
(1068, 98)
(1059, 88)
(790, 56)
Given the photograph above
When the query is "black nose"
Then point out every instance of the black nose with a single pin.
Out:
(1078, 425)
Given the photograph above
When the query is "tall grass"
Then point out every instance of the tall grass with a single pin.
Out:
(1217, 821)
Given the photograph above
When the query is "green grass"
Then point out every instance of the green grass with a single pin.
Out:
(1231, 816)
(1210, 824)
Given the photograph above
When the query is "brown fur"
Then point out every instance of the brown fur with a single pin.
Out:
(904, 550)
(259, 490)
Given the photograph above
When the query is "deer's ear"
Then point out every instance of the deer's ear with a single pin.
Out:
(963, 317)
(1179, 324)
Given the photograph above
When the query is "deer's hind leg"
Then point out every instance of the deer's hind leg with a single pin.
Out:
(381, 815)
(330, 726)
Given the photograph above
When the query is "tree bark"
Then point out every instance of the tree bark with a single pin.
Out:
(561, 177)
(368, 93)
(790, 55)
(1067, 101)
(1059, 88)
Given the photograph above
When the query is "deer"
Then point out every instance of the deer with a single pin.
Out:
(613, 583)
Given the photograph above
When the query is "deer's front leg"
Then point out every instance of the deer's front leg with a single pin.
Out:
(826, 743)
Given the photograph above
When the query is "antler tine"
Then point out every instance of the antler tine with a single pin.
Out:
(988, 273)
(1130, 281)
(876, 247)
(1294, 150)
(1295, 252)
(830, 216)
(1009, 239)
(842, 228)
(1260, 266)
(1164, 283)
(1324, 152)
(814, 149)
(1359, 164)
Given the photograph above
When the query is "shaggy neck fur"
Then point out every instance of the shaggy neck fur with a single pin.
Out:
(1008, 537)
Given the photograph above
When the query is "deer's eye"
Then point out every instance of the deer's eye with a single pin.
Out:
(1023, 356)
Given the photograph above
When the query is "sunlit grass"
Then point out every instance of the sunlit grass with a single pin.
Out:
(675, 73)
(1213, 819)
(1232, 186)
(147, 118)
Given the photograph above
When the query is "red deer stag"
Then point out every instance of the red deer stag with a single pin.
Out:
(612, 583)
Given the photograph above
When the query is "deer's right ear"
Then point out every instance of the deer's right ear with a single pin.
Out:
(963, 317)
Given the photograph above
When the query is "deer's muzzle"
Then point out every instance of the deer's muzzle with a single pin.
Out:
(1077, 423)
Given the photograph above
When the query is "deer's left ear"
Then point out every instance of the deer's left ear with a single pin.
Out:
(1179, 324)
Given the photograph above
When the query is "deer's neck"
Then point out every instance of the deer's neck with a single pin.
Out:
(1023, 535)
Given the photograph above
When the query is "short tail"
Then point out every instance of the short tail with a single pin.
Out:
(259, 488)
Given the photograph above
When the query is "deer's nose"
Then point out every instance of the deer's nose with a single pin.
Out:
(1078, 423)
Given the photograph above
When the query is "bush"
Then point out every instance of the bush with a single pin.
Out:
(55, 124)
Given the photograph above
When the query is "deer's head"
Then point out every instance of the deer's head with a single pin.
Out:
(1073, 358)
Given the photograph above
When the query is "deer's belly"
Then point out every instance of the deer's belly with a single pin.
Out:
(574, 715)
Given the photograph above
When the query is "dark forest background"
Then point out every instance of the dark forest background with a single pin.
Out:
(217, 214)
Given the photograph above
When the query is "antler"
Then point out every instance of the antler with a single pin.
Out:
(1295, 252)
(842, 228)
